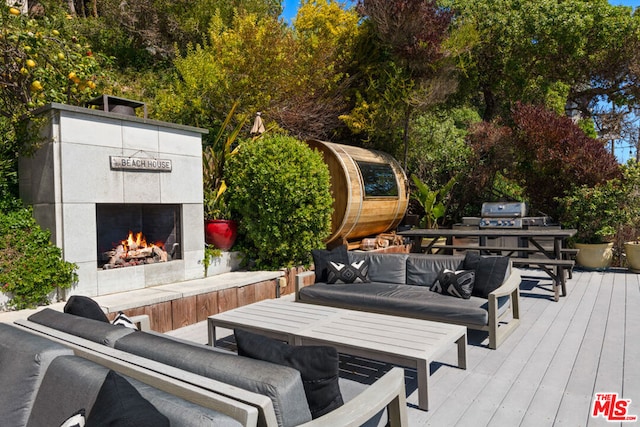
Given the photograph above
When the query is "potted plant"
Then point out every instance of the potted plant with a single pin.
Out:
(433, 202)
(598, 213)
(220, 229)
(631, 232)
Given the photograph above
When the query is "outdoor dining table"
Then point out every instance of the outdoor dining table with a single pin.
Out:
(533, 235)
(553, 260)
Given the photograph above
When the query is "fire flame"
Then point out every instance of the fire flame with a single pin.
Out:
(138, 241)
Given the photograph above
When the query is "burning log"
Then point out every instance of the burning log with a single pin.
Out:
(135, 251)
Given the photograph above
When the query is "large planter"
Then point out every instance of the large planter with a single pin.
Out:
(595, 256)
(632, 251)
(221, 233)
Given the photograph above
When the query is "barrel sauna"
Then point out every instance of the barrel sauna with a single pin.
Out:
(369, 191)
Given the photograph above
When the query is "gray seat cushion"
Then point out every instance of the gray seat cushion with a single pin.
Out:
(92, 330)
(401, 300)
(281, 384)
(24, 359)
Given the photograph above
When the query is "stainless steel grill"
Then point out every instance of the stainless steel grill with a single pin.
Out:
(502, 215)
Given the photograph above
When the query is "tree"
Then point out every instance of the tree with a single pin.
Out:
(563, 53)
(43, 62)
(325, 34)
(413, 32)
(159, 25)
(545, 153)
(295, 77)
(554, 154)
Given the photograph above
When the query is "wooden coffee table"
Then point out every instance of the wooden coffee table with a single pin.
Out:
(400, 341)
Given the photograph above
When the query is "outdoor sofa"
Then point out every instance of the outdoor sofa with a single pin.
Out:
(276, 391)
(400, 284)
(46, 383)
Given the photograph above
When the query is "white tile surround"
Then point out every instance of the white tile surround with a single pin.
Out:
(71, 173)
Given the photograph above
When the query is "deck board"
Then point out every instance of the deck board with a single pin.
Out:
(546, 372)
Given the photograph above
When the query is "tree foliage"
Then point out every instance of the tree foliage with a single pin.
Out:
(158, 26)
(43, 61)
(547, 154)
(550, 52)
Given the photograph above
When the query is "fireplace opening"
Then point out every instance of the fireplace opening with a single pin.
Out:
(137, 234)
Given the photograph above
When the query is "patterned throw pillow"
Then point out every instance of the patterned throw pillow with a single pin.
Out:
(122, 320)
(356, 272)
(76, 420)
(454, 283)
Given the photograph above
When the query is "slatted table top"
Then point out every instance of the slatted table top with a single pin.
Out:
(398, 340)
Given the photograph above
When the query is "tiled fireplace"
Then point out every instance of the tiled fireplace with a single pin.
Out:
(103, 182)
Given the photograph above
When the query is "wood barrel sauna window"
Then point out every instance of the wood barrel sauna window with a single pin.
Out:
(379, 179)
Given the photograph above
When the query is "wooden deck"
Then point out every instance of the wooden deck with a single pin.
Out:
(546, 373)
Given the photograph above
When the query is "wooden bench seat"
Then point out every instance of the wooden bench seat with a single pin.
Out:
(555, 268)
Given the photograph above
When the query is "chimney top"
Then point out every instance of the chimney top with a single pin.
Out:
(117, 105)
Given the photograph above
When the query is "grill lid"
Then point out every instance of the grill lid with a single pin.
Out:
(503, 210)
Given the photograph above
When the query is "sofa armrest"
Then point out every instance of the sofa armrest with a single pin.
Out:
(303, 279)
(508, 286)
(142, 322)
(511, 288)
(388, 391)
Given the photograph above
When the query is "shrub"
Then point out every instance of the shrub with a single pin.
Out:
(597, 212)
(31, 268)
(279, 188)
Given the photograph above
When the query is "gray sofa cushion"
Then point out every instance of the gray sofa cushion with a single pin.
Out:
(24, 359)
(385, 268)
(422, 270)
(491, 272)
(402, 300)
(92, 330)
(73, 383)
(281, 384)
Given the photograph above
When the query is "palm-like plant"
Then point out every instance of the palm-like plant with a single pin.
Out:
(214, 158)
(432, 201)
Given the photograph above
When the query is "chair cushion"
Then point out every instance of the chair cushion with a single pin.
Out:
(322, 257)
(318, 366)
(423, 269)
(490, 272)
(119, 403)
(454, 283)
(387, 268)
(82, 306)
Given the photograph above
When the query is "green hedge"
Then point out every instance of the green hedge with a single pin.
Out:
(31, 268)
(280, 191)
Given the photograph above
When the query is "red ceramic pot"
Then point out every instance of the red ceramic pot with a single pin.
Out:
(221, 233)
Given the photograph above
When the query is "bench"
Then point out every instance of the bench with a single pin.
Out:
(555, 268)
